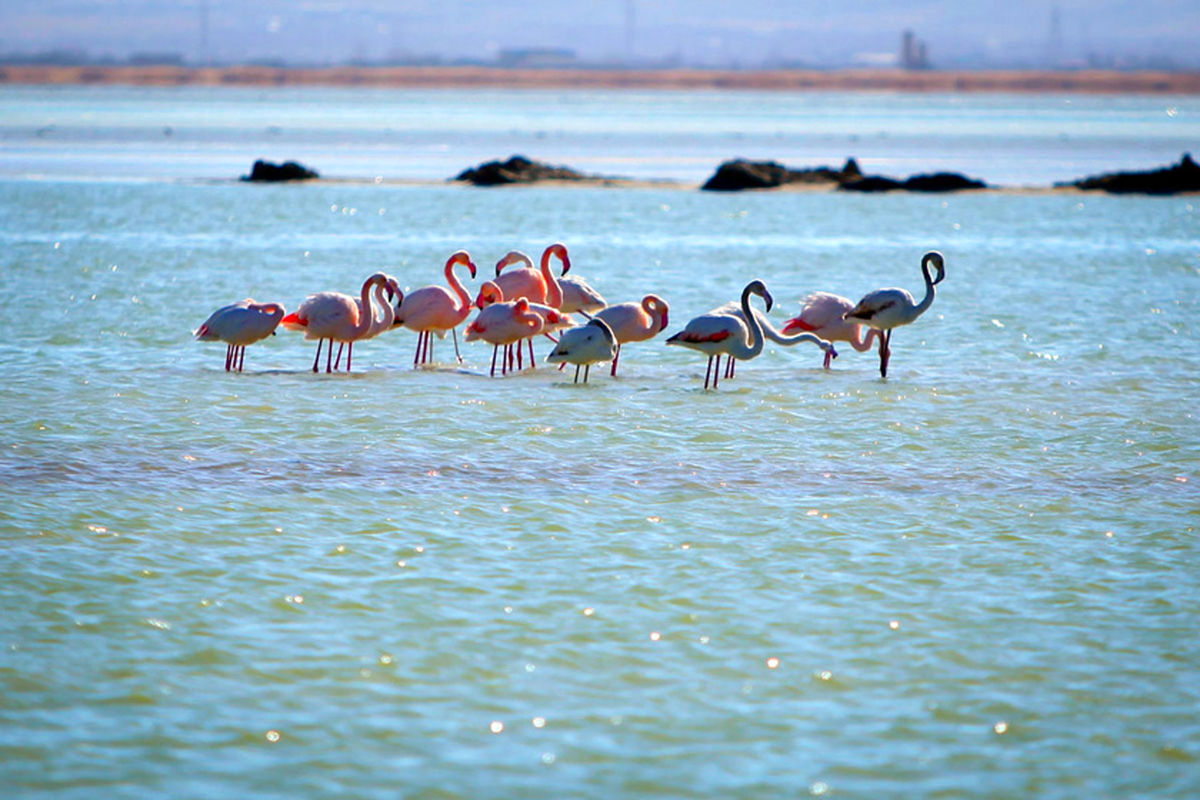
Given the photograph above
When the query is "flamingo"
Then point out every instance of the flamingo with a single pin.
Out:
(503, 324)
(824, 314)
(378, 324)
(577, 294)
(885, 309)
(552, 319)
(585, 345)
(435, 309)
(238, 325)
(539, 286)
(770, 332)
(635, 322)
(336, 317)
(715, 333)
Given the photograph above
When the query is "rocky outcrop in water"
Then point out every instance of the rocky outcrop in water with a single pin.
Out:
(1181, 177)
(518, 169)
(933, 182)
(739, 174)
(267, 172)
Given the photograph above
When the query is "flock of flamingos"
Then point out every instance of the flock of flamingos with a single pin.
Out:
(525, 302)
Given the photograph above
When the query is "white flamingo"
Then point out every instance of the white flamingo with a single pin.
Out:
(585, 345)
(717, 333)
(885, 309)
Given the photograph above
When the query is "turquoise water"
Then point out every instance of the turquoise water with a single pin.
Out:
(974, 579)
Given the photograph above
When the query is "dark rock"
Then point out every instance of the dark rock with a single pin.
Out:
(518, 169)
(936, 182)
(288, 171)
(739, 174)
(1182, 177)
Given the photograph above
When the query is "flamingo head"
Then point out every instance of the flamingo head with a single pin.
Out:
(512, 257)
(559, 250)
(461, 257)
(759, 288)
(939, 263)
(489, 293)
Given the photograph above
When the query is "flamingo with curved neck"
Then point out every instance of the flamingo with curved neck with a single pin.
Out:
(719, 333)
(503, 324)
(334, 316)
(823, 314)
(436, 309)
(770, 332)
(885, 309)
(635, 322)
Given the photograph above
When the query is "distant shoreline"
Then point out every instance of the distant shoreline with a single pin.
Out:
(888, 80)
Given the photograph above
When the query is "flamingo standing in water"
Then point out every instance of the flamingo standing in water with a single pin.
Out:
(238, 325)
(503, 324)
(885, 309)
(585, 345)
(380, 323)
(336, 317)
(552, 319)
(577, 294)
(770, 332)
(435, 309)
(717, 333)
(538, 286)
(824, 315)
(635, 322)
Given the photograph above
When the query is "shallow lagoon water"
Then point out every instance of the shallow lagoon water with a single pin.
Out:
(974, 579)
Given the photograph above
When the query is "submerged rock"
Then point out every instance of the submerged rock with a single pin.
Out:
(739, 174)
(518, 169)
(287, 171)
(1181, 177)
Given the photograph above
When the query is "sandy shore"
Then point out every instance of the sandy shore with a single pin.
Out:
(1096, 81)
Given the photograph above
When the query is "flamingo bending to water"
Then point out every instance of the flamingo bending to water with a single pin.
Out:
(717, 333)
(635, 322)
(503, 324)
(585, 345)
(770, 332)
(824, 315)
(885, 309)
(336, 317)
(238, 325)
(436, 309)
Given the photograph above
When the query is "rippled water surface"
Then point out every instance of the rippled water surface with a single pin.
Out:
(976, 578)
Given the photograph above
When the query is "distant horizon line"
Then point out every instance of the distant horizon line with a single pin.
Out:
(457, 77)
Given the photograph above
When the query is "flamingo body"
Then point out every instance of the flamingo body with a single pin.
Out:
(635, 322)
(240, 324)
(585, 345)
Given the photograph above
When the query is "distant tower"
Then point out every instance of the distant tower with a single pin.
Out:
(913, 52)
(1054, 39)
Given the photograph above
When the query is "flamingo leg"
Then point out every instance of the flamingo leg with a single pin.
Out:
(428, 347)
(730, 362)
(228, 355)
(708, 373)
(495, 350)
(349, 355)
(587, 370)
(576, 373)
(458, 355)
(317, 360)
(417, 352)
(616, 358)
(828, 359)
(329, 356)
(717, 372)
(520, 357)
(532, 363)
(241, 357)
(885, 352)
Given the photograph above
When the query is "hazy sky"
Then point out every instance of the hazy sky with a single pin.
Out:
(697, 31)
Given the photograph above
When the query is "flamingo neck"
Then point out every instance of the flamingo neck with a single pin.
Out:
(366, 314)
(554, 296)
(863, 343)
(464, 299)
(930, 291)
(387, 316)
(740, 350)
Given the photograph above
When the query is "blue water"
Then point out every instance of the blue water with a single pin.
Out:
(976, 578)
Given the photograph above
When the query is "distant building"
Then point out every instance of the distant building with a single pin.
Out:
(913, 52)
(537, 58)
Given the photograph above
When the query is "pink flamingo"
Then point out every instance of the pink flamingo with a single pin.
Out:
(435, 309)
(824, 315)
(380, 323)
(553, 320)
(336, 317)
(635, 322)
(503, 324)
(538, 286)
(885, 309)
(238, 325)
